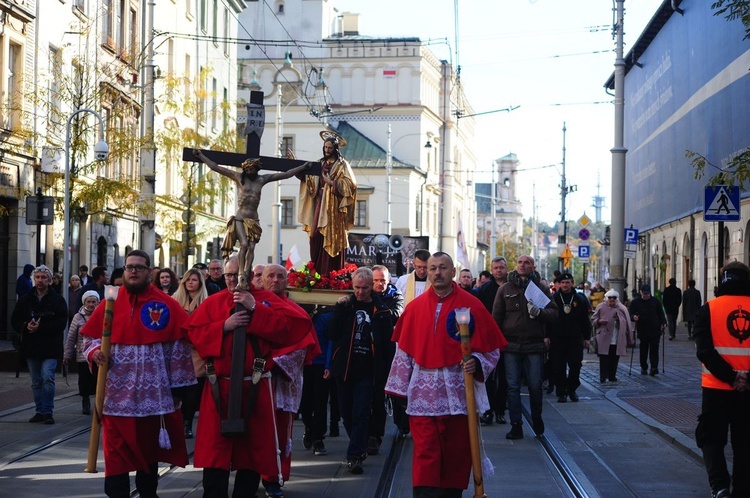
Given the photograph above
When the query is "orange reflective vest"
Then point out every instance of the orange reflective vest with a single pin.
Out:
(730, 330)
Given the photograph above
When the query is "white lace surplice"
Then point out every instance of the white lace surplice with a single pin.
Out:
(287, 389)
(141, 377)
(437, 391)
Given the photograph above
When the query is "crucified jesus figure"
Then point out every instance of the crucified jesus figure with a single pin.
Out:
(244, 226)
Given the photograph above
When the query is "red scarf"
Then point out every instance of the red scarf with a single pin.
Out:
(146, 318)
(436, 344)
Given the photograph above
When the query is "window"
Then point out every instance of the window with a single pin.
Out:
(214, 104)
(108, 32)
(225, 112)
(287, 144)
(204, 15)
(186, 80)
(215, 22)
(287, 212)
(133, 40)
(360, 216)
(119, 28)
(12, 86)
(54, 117)
(202, 95)
(226, 33)
(80, 6)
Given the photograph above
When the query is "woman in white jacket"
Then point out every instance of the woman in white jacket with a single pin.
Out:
(74, 349)
(614, 333)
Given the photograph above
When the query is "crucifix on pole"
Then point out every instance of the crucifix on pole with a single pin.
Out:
(245, 228)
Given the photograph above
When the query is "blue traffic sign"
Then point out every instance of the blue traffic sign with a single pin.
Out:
(631, 236)
(584, 252)
(721, 203)
(584, 234)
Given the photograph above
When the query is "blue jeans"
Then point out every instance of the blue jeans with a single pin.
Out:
(43, 383)
(516, 366)
(355, 398)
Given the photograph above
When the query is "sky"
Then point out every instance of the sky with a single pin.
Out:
(548, 57)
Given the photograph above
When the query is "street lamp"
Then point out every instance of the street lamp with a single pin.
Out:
(388, 168)
(101, 151)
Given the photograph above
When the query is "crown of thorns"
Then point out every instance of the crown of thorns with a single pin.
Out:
(251, 163)
(331, 136)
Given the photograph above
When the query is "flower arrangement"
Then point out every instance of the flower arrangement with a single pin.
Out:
(308, 278)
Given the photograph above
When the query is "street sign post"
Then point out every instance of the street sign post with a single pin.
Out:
(40, 210)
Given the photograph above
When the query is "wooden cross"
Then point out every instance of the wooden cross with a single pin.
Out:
(253, 131)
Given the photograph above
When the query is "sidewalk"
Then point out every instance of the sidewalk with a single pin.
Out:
(669, 402)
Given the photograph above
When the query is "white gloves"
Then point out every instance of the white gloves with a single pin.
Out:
(533, 310)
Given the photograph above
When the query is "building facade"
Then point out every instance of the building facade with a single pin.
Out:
(687, 88)
(162, 76)
(415, 166)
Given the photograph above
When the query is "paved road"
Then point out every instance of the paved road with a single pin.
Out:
(630, 438)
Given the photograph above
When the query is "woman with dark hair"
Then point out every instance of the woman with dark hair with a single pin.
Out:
(167, 281)
(116, 277)
(191, 293)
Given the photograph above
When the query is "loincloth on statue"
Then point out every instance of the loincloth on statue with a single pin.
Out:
(252, 231)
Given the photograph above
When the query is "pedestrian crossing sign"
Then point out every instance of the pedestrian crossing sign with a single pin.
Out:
(721, 203)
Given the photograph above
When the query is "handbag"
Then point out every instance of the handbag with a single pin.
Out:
(593, 346)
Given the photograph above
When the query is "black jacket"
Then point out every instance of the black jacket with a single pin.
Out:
(341, 332)
(52, 312)
(672, 299)
(650, 317)
(487, 292)
(574, 324)
(394, 300)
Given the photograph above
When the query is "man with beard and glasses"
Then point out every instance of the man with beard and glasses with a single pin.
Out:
(244, 225)
(150, 363)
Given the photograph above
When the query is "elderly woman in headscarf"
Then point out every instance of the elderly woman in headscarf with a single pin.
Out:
(614, 332)
(74, 350)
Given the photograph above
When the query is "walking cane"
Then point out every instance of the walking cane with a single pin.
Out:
(463, 317)
(663, 349)
(110, 294)
(632, 352)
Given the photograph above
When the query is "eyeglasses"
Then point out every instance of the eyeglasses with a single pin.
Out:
(215, 269)
(231, 275)
(135, 268)
(611, 299)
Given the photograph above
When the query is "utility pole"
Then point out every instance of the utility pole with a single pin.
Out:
(276, 256)
(493, 213)
(617, 240)
(388, 166)
(563, 195)
(148, 152)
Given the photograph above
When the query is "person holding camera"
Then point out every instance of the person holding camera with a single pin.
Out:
(40, 318)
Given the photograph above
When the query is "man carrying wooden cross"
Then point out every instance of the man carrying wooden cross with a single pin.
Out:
(244, 225)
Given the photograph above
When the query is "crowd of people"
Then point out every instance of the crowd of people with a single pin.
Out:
(370, 349)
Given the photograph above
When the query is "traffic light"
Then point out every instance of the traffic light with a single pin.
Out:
(210, 249)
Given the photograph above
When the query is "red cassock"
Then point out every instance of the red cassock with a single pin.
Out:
(277, 324)
(138, 400)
